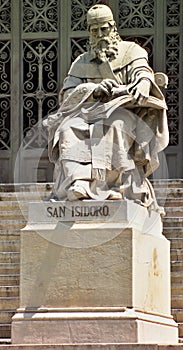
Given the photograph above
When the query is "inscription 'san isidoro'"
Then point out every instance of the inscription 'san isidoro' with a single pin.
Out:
(78, 211)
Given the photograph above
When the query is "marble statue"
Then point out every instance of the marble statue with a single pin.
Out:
(111, 124)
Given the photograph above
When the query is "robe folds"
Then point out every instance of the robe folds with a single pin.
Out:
(115, 142)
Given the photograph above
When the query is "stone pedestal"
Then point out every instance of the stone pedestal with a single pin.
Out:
(94, 272)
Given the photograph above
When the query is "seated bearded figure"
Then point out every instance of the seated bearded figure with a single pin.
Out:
(105, 138)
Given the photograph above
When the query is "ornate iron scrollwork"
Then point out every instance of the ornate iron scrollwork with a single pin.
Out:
(40, 69)
(136, 14)
(40, 86)
(5, 81)
(173, 13)
(79, 9)
(40, 16)
(173, 69)
(78, 46)
(5, 75)
(5, 16)
(172, 95)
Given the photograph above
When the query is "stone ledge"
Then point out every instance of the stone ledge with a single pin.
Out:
(123, 213)
(93, 347)
(93, 327)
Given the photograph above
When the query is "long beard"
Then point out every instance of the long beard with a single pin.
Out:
(104, 49)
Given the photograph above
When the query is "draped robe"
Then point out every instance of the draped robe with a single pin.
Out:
(114, 143)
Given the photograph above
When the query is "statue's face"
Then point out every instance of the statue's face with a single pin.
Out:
(103, 40)
(100, 30)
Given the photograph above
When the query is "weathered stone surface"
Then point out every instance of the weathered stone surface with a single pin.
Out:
(92, 328)
(107, 267)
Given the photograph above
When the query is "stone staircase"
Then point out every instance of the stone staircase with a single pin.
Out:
(170, 195)
(13, 215)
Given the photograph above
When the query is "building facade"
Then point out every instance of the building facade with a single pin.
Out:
(38, 41)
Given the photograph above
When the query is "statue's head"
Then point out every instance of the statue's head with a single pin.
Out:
(98, 14)
(102, 30)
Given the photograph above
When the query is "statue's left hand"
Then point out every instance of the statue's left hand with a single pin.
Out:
(141, 91)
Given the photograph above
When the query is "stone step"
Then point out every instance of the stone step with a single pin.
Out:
(9, 268)
(7, 233)
(9, 280)
(47, 186)
(168, 198)
(177, 302)
(169, 192)
(176, 277)
(6, 316)
(5, 332)
(180, 329)
(23, 196)
(174, 211)
(171, 202)
(10, 245)
(13, 215)
(177, 289)
(162, 183)
(173, 232)
(12, 224)
(177, 315)
(13, 205)
(176, 254)
(176, 243)
(9, 257)
(162, 194)
(172, 221)
(9, 303)
(12, 200)
(9, 291)
(26, 187)
(177, 266)
(39, 192)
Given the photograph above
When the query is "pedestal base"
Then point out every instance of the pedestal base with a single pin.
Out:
(92, 327)
(111, 286)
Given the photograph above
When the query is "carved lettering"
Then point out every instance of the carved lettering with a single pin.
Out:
(57, 212)
(61, 212)
(90, 211)
(49, 211)
(78, 211)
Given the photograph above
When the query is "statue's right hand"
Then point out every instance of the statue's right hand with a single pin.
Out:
(104, 89)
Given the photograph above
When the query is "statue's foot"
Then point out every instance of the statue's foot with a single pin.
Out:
(51, 198)
(115, 195)
(80, 189)
(76, 192)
